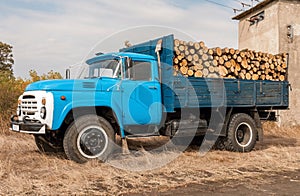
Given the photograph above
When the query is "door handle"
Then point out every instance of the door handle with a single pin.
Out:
(153, 87)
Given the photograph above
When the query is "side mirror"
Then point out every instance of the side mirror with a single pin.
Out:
(68, 74)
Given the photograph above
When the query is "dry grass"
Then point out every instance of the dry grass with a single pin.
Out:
(23, 170)
(274, 129)
(3, 125)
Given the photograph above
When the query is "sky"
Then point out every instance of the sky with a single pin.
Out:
(55, 35)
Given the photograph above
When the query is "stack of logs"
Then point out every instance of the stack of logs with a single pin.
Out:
(194, 59)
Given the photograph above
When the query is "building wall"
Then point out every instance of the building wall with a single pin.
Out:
(262, 36)
(270, 35)
(289, 14)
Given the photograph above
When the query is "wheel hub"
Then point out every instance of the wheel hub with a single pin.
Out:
(244, 134)
(92, 142)
(240, 135)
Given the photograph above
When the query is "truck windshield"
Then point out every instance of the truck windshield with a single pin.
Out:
(106, 68)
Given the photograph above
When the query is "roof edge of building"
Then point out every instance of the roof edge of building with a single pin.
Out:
(255, 8)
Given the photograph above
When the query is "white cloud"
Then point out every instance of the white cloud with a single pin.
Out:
(53, 39)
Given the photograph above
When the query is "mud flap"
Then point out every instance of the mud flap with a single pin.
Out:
(125, 149)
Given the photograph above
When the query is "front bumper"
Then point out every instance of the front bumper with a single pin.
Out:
(27, 127)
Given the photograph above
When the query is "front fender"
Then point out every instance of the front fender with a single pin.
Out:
(64, 107)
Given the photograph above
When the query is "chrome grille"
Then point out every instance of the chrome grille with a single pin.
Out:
(29, 105)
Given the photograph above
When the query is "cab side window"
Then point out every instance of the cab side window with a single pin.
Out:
(140, 70)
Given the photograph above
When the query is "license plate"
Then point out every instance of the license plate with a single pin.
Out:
(16, 128)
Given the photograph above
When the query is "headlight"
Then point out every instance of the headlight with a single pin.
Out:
(43, 113)
(19, 112)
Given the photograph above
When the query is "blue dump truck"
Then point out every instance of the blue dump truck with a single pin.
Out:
(134, 93)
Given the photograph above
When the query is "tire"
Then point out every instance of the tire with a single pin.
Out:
(89, 137)
(242, 133)
(45, 146)
(220, 143)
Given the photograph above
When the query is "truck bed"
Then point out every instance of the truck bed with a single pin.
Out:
(191, 92)
(217, 92)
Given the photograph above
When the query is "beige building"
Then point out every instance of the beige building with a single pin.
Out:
(273, 26)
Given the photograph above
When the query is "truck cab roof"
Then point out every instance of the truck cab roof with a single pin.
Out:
(119, 54)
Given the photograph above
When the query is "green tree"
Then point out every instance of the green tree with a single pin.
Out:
(6, 60)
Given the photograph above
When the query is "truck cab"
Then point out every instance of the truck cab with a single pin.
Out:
(122, 89)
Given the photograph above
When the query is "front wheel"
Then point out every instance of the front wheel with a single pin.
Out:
(89, 137)
(242, 133)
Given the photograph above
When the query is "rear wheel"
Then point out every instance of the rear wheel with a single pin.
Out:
(242, 133)
(89, 137)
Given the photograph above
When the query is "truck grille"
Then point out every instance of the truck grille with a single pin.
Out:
(29, 105)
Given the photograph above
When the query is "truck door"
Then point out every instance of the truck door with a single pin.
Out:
(141, 94)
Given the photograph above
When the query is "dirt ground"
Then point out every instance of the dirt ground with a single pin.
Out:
(273, 168)
(283, 183)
